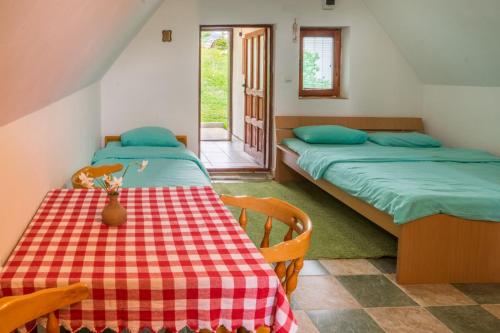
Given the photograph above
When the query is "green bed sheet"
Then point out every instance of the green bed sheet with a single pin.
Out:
(168, 166)
(409, 183)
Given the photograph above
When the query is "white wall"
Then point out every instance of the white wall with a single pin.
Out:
(380, 80)
(52, 49)
(157, 83)
(40, 152)
(448, 42)
(463, 116)
(453, 46)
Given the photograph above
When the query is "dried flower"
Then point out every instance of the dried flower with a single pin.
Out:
(109, 183)
(143, 166)
(115, 184)
(85, 180)
(107, 179)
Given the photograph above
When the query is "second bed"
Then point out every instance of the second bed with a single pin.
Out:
(441, 203)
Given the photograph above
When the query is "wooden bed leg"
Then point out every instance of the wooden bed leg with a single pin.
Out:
(282, 173)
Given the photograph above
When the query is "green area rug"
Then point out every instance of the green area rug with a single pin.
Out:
(338, 231)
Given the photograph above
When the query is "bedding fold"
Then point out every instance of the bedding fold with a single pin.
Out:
(410, 183)
(168, 166)
(317, 161)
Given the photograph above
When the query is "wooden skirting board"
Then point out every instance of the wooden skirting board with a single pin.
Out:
(435, 249)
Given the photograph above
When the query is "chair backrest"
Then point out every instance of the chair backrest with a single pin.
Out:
(94, 172)
(15, 311)
(292, 250)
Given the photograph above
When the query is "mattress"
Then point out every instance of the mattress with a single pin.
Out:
(409, 183)
(168, 166)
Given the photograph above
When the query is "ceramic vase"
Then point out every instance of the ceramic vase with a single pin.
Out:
(114, 214)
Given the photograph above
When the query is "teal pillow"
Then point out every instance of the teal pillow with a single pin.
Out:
(150, 137)
(114, 144)
(404, 139)
(330, 134)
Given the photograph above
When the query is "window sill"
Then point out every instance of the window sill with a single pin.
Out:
(322, 97)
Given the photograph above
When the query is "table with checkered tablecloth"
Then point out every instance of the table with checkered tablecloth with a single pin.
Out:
(180, 260)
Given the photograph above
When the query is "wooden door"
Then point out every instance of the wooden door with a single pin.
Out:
(255, 64)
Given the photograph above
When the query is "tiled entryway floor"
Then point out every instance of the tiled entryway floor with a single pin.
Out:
(213, 133)
(362, 296)
(226, 155)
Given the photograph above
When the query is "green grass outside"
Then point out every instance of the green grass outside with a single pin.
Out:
(214, 85)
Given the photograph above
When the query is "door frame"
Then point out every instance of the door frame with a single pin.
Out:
(269, 123)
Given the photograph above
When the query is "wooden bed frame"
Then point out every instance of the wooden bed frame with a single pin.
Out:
(111, 138)
(435, 249)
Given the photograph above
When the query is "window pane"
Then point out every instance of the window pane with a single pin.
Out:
(317, 63)
(262, 60)
(255, 61)
(249, 63)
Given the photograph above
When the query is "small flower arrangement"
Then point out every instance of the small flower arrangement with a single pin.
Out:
(110, 184)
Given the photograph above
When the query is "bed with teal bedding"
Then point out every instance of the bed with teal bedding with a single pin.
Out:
(409, 183)
(168, 166)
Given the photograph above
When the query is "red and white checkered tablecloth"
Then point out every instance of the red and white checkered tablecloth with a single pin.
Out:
(180, 260)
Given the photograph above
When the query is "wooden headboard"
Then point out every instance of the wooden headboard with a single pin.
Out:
(111, 138)
(285, 124)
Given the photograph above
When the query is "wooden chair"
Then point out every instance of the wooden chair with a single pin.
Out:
(292, 250)
(94, 172)
(15, 311)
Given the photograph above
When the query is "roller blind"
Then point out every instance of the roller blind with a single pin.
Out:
(317, 70)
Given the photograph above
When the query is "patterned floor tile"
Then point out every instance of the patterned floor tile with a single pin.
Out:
(341, 321)
(436, 294)
(392, 277)
(486, 293)
(313, 267)
(467, 319)
(323, 292)
(350, 267)
(494, 309)
(385, 265)
(407, 320)
(293, 303)
(375, 291)
(305, 323)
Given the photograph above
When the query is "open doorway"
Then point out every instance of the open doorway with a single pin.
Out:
(216, 84)
(235, 97)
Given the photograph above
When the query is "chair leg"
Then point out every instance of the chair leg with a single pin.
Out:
(292, 275)
(52, 323)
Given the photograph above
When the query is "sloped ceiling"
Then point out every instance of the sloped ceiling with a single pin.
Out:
(450, 42)
(52, 48)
